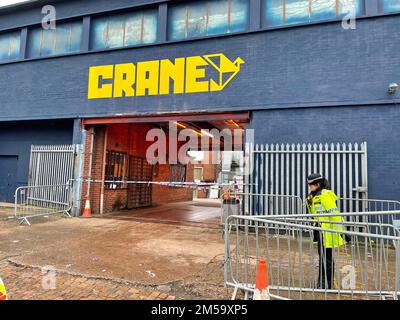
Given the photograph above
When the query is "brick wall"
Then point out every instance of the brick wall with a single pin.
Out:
(202, 193)
(130, 139)
(162, 194)
(115, 200)
(210, 173)
(97, 167)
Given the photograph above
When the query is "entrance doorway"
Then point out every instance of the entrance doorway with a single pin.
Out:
(8, 177)
(138, 187)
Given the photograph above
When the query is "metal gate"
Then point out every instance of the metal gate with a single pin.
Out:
(50, 188)
(139, 195)
(51, 165)
(283, 169)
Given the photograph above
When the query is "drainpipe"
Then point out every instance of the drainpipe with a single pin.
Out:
(90, 160)
(103, 173)
(79, 173)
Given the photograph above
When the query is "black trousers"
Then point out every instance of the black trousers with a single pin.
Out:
(326, 264)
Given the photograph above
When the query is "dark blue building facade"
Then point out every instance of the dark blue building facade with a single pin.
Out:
(16, 140)
(304, 77)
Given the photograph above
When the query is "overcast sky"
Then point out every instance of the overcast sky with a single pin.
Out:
(7, 2)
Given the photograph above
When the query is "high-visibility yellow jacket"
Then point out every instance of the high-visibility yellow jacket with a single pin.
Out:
(324, 203)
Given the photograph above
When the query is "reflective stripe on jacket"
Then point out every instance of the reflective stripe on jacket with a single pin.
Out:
(324, 202)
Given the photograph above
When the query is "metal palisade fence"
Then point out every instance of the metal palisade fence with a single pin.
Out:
(51, 165)
(283, 169)
(49, 190)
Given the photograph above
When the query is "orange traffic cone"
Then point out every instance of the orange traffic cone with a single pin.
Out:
(261, 291)
(3, 292)
(227, 194)
(86, 211)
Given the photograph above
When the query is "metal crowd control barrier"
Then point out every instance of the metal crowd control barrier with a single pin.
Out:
(370, 205)
(258, 204)
(357, 204)
(366, 266)
(255, 204)
(270, 204)
(36, 201)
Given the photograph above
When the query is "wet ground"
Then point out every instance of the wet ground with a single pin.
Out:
(206, 212)
(142, 254)
(181, 260)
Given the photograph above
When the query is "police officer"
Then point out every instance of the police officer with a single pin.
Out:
(322, 200)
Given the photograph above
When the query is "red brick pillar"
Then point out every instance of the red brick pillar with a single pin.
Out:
(97, 167)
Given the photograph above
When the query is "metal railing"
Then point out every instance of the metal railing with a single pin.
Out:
(271, 204)
(365, 266)
(268, 204)
(36, 201)
(357, 204)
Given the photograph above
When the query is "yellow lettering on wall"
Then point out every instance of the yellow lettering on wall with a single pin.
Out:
(193, 73)
(124, 79)
(212, 72)
(97, 90)
(174, 71)
(147, 78)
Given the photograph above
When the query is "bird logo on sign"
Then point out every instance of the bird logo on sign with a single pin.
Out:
(226, 68)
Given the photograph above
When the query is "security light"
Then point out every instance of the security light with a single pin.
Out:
(393, 88)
